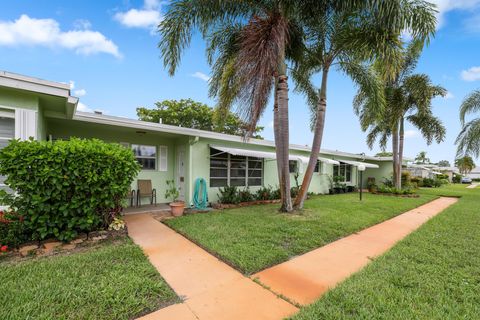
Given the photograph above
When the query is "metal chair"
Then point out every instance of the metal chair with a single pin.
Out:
(131, 195)
(145, 190)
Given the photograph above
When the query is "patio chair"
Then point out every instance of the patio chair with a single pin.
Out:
(145, 190)
(131, 196)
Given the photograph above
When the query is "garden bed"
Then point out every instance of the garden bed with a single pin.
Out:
(242, 204)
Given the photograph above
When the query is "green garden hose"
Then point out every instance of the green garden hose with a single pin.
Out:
(200, 197)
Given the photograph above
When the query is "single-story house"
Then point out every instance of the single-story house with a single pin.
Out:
(45, 110)
(474, 174)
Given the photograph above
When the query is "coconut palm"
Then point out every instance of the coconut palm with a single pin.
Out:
(422, 157)
(408, 98)
(343, 40)
(468, 140)
(465, 164)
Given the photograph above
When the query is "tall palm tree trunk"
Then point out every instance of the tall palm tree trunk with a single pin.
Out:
(281, 143)
(317, 141)
(400, 153)
(395, 154)
(278, 142)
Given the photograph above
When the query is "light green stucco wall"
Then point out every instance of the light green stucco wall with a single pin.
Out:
(69, 128)
(21, 100)
(201, 168)
(384, 171)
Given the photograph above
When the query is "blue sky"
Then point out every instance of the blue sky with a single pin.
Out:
(108, 51)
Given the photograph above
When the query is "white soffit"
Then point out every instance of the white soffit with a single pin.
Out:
(357, 163)
(267, 155)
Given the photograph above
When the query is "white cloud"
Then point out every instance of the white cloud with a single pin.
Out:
(444, 6)
(411, 133)
(83, 107)
(46, 32)
(201, 75)
(471, 74)
(72, 84)
(147, 17)
(270, 124)
(448, 95)
(80, 93)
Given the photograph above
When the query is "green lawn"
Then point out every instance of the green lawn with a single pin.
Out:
(109, 281)
(254, 238)
(432, 274)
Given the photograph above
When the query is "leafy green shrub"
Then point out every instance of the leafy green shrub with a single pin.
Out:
(388, 182)
(12, 229)
(267, 193)
(294, 191)
(416, 181)
(66, 187)
(245, 195)
(406, 179)
(457, 178)
(228, 195)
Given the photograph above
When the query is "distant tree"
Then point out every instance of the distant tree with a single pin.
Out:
(444, 163)
(422, 157)
(465, 164)
(384, 154)
(468, 140)
(188, 113)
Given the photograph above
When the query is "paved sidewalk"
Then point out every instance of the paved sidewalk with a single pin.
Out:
(210, 288)
(305, 278)
(473, 185)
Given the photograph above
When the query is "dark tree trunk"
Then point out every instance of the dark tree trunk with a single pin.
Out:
(317, 141)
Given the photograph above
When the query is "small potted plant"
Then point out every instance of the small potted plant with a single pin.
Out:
(176, 206)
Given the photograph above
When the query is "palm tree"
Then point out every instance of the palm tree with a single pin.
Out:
(465, 164)
(408, 98)
(422, 157)
(468, 140)
(343, 40)
(249, 43)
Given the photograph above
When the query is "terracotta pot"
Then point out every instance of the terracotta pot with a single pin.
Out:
(177, 208)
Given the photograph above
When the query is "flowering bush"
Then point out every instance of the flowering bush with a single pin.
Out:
(12, 229)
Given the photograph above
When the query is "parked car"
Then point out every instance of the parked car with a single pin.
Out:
(466, 180)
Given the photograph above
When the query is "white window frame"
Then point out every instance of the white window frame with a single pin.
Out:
(247, 177)
(345, 165)
(162, 160)
(143, 157)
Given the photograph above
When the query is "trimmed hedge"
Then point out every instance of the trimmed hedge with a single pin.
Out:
(66, 187)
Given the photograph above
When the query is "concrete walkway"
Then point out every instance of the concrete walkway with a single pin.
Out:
(210, 288)
(473, 185)
(305, 278)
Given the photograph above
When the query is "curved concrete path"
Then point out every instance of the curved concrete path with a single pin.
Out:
(305, 278)
(210, 288)
(213, 290)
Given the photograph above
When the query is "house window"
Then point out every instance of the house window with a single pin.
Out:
(343, 170)
(145, 155)
(7, 133)
(231, 170)
(292, 166)
(318, 166)
(7, 130)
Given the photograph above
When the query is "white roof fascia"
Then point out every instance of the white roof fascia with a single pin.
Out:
(358, 163)
(16, 81)
(267, 155)
(144, 125)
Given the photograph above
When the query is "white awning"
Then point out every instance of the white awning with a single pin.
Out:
(358, 163)
(436, 172)
(268, 155)
(246, 152)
